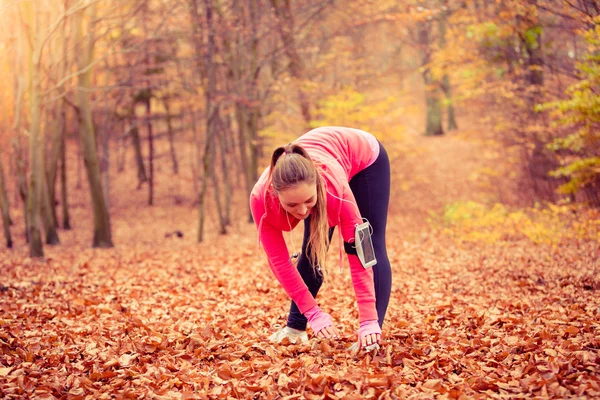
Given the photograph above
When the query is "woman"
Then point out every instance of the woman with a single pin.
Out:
(330, 176)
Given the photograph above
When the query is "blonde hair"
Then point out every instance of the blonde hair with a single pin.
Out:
(291, 165)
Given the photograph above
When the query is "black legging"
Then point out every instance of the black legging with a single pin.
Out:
(371, 189)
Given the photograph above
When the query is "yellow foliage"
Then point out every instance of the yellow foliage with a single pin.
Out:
(351, 108)
(475, 222)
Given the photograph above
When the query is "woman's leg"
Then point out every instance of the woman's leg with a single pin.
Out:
(371, 188)
(313, 280)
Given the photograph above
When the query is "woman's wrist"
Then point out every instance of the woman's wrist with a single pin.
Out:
(369, 328)
(318, 319)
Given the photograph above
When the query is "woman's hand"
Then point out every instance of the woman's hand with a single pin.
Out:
(329, 332)
(370, 340)
(369, 333)
(321, 323)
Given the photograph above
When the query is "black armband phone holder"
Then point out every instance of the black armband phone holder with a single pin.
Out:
(349, 248)
(362, 246)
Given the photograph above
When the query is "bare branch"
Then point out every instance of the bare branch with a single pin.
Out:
(73, 10)
(135, 46)
(585, 12)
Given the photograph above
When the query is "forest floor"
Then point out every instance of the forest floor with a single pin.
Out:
(166, 318)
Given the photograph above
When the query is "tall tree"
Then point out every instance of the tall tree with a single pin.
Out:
(212, 108)
(445, 84)
(225, 152)
(219, 198)
(136, 142)
(63, 175)
(4, 198)
(52, 161)
(170, 133)
(4, 207)
(48, 219)
(147, 101)
(145, 97)
(19, 91)
(432, 88)
(32, 26)
(531, 39)
(57, 124)
(244, 70)
(85, 49)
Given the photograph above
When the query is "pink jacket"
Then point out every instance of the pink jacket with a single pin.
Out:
(340, 154)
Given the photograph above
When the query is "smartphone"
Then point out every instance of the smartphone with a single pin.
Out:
(364, 245)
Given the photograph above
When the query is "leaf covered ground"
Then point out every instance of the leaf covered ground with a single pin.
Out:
(165, 318)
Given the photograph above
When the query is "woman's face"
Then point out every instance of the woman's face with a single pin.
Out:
(299, 199)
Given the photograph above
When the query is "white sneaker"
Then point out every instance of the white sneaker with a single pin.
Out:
(293, 335)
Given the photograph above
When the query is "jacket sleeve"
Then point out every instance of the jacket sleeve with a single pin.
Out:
(279, 259)
(362, 279)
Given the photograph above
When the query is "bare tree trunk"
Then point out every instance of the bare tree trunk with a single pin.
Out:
(203, 187)
(245, 64)
(434, 106)
(255, 147)
(540, 160)
(197, 35)
(216, 187)
(4, 207)
(247, 119)
(212, 110)
(146, 97)
(58, 122)
(452, 125)
(195, 159)
(36, 248)
(432, 99)
(35, 185)
(52, 162)
(150, 153)
(534, 48)
(121, 146)
(225, 132)
(4, 199)
(79, 160)
(139, 159)
(446, 87)
(171, 138)
(63, 175)
(102, 232)
(46, 212)
(105, 163)
(234, 56)
(22, 182)
(240, 116)
(18, 151)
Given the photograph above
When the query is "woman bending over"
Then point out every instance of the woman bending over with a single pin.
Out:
(330, 176)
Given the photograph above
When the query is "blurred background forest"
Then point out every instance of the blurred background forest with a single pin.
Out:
(113, 107)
